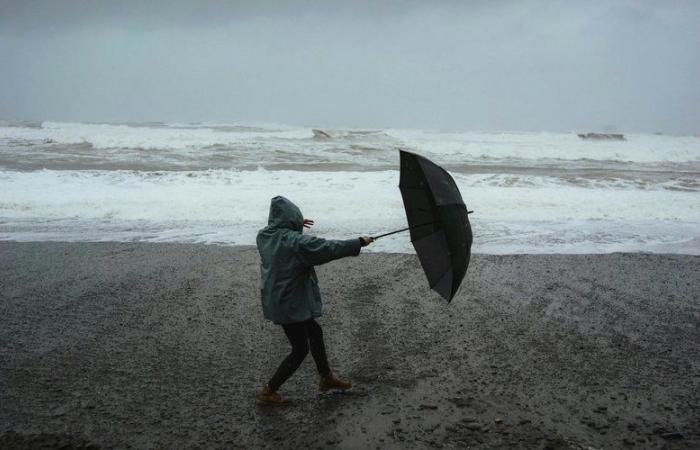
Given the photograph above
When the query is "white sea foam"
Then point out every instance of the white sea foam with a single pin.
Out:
(641, 148)
(356, 146)
(531, 214)
(103, 136)
(531, 192)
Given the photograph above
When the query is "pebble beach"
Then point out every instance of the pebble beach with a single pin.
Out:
(141, 345)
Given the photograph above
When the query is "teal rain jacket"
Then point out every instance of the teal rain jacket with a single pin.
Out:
(288, 284)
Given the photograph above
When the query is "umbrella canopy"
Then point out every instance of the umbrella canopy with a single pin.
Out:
(438, 221)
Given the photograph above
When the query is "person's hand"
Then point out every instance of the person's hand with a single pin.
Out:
(308, 223)
(366, 240)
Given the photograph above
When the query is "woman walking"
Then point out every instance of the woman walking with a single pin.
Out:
(290, 294)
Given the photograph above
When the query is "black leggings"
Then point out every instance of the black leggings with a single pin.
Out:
(303, 336)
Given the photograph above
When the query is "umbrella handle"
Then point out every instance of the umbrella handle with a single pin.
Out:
(406, 229)
(402, 229)
(388, 234)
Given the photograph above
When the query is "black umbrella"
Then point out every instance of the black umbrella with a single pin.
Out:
(438, 221)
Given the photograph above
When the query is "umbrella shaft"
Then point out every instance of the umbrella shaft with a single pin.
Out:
(402, 229)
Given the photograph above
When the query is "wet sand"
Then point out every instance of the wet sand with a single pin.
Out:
(164, 346)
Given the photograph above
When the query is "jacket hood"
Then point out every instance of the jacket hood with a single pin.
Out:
(285, 214)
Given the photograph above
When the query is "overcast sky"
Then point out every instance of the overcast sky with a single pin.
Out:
(502, 65)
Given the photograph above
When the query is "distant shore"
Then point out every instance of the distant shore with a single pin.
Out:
(164, 346)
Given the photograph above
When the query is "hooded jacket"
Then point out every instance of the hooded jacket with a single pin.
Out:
(288, 282)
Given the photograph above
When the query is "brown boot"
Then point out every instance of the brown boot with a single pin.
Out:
(269, 397)
(331, 382)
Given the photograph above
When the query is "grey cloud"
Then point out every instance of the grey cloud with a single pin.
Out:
(449, 65)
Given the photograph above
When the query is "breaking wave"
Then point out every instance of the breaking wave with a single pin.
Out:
(211, 183)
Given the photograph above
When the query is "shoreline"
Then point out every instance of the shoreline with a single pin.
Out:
(164, 345)
(665, 249)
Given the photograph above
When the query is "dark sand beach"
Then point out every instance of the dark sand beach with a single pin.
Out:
(164, 346)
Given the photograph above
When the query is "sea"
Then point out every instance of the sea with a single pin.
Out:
(211, 183)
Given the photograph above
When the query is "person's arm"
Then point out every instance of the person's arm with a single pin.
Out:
(314, 251)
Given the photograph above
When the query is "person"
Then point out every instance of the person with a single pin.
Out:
(290, 294)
